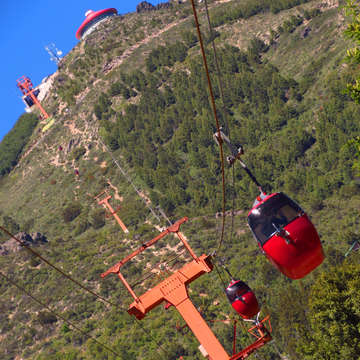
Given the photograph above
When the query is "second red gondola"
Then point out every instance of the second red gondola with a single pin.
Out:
(242, 299)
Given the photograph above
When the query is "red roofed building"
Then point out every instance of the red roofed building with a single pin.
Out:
(93, 19)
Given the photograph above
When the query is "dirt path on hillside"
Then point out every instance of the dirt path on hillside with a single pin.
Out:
(120, 59)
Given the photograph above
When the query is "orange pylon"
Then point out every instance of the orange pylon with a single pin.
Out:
(105, 203)
(26, 87)
(173, 290)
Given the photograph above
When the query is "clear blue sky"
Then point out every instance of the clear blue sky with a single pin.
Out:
(25, 28)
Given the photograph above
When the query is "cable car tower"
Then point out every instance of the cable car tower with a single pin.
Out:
(106, 204)
(54, 52)
(30, 94)
(173, 291)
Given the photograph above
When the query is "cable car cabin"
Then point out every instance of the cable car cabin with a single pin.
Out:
(242, 299)
(286, 235)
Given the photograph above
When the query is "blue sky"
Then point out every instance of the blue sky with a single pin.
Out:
(25, 29)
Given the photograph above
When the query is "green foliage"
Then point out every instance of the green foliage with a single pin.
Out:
(46, 318)
(290, 25)
(250, 8)
(71, 212)
(353, 55)
(14, 142)
(97, 218)
(77, 153)
(334, 315)
(10, 224)
(68, 88)
(189, 38)
(309, 14)
(102, 108)
(167, 55)
(356, 144)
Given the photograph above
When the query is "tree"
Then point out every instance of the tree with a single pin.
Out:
(71, 212)
(10, 224)
(356, 143)
(353, 56)
(334, 315)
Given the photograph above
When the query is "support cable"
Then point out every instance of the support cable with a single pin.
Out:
(33, 252)
(218, 70)
(216, 120)
(128, 179)
(220, 277)
(233, 205)
(58, 315)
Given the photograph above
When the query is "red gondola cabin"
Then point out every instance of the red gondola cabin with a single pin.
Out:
(286, 235)
(242, 299)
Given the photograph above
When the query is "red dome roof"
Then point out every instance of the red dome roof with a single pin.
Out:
(90, 16)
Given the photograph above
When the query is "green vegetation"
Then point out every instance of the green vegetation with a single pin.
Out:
(334, 313)
(248, 9)
(285, 102)
(14, 142)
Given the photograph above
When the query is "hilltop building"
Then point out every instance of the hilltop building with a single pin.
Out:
(93, 19)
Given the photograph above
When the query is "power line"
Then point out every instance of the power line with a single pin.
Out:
(58, 315)
(218, 70)
(128, 179)
(216, 120)
(78, 283)
(28, 248)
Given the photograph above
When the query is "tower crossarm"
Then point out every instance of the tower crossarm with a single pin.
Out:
(172, 229)
(172, 289)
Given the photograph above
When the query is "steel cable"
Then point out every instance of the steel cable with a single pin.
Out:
(218, 70)
(217, 123)
(28, 248)
(76, 282)
(58, 315)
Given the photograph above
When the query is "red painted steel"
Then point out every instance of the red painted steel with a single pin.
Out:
(91, 17)
(26, 87)
(302, 255)
(173, 290)
(105, 203)
(242, 299)
(263, 336)
(296, 250)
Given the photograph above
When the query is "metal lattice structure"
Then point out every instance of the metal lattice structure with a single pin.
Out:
(54, 52)
(30, 94)
(173, 291)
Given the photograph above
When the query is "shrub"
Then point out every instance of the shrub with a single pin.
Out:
(98, 219)
(78, 153)
(46, 317)
(13, 143)
(71, 212)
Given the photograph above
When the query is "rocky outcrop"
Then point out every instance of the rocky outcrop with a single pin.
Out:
(26, 239)
(145, 6)
(305, 32)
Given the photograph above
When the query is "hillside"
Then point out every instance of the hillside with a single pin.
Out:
(132, 115)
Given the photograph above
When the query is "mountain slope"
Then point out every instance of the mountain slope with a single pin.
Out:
(137, 85)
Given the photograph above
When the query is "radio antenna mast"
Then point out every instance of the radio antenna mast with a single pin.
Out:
(54, 52)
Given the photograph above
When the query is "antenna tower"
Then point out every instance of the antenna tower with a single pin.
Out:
(54, 52)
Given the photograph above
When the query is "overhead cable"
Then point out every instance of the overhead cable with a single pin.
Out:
(217, 123)
(28, 248)
(128, 179)
(58, 315)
